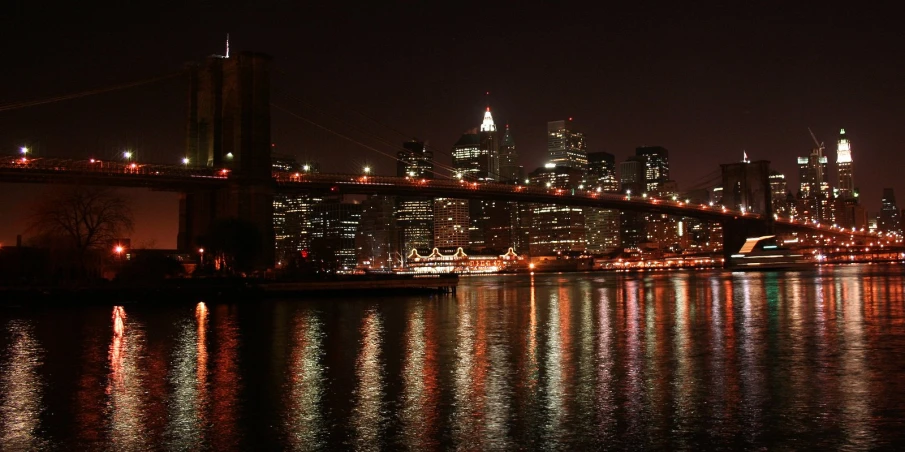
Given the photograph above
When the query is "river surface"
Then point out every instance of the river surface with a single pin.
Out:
(664, 360)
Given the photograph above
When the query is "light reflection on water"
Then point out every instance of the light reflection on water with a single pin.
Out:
(126, 385)
(188, 377)
(555, 362)
(368, 416)
(304, 421)
(21, 389)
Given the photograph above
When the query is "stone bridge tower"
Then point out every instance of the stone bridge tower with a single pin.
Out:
(746, 186)
(228, 127)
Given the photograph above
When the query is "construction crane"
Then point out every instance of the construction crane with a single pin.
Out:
(820, 146)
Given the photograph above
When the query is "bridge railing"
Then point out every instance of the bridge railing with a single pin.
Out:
(108, 167)
(493, 187)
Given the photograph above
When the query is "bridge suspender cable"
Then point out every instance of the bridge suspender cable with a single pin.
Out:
(370, 134)
(121, 86)
(298, 116)
(346, 137)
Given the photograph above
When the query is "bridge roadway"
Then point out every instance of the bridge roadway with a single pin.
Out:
(185, 178)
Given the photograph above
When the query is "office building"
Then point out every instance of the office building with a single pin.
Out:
(510, 171)
(334, 227)
(566, 146)
(656, 167)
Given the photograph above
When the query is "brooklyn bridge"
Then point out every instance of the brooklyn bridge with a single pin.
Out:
(227, 172)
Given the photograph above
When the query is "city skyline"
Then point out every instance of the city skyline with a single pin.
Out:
(706, 86)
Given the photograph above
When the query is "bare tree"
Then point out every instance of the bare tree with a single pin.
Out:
(81, 218)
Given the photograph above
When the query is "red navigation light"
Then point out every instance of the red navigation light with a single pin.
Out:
(304, 254)
(333, 188)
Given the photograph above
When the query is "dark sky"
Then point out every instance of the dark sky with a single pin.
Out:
(706, 83)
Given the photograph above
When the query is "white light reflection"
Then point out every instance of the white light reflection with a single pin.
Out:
(855, 389)
(753, 340)
(304, 420)
(126, 386)
(497, 392)
(634, 365)
(188, 377)
(555, 378)
(606, 392)
(683, 378)
(421, 385)
(368, 416)
(21, 390)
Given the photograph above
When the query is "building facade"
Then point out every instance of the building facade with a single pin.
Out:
(566, 146)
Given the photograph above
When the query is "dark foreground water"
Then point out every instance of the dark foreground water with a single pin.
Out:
(802, 360)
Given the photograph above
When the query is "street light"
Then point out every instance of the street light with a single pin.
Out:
(201, 252)
(127, 155)
(185, 161)
(23, 150)
(367, 170)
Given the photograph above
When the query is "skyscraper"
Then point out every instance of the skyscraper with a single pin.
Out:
(414, 215)
(490, 146)
(844, 166)
(566, 146)
(376, 239)
(815, 198)
(779, 194)
(415, 160)
(334, 229)
(602, 225)
(556, 228)
(509, 168)
(632, 225)
(656, 166)
(292, 214)
(889, 220)
(450, 223)
(602, 172)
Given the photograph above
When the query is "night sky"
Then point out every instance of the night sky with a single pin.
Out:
(704, 83)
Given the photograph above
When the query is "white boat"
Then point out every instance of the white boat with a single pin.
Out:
(763, 253)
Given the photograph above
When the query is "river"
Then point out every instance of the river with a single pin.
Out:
(661, 360)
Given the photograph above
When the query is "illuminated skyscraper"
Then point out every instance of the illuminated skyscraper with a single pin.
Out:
(334, 228)
(415, 215)
(889, 220)
(566, 146)
(602, 225)
(632, 225)
(450, 223)
(602, 172)
(557, 228)
(292, 214)
(814, 188)
(490, 146)
(656, 166)
(415, 160)
(844, 165)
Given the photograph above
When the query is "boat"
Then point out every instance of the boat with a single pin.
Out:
(763, 253)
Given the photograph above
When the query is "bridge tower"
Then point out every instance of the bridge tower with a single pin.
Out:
(746, 187)
(228, 127)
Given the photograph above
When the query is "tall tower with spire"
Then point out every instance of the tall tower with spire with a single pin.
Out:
(490, 147)
(844, 166)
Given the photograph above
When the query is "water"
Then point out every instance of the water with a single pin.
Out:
(679, 361)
